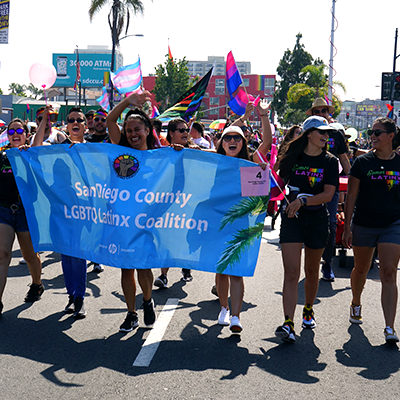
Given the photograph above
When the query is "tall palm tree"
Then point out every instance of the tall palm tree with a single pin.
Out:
(118, 18)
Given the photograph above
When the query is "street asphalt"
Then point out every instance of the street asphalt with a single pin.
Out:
(45, 354)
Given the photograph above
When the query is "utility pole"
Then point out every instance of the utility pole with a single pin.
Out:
(394, 69)
(331, 54)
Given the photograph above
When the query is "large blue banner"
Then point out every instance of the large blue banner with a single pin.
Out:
(140, 209)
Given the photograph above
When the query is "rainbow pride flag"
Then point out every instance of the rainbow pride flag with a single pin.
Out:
(261, 82)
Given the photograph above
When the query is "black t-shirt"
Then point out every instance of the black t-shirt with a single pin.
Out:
(9, 191)
(98, 138)
(378, 201)
(336, 143)
(311, 173)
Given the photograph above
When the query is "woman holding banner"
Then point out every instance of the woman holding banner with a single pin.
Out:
(177, 134)
(137, 133)
(234, 144)
(312, 174)
(74, 268)
(13, 220)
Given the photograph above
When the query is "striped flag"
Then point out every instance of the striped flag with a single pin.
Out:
(78, 70)
(189, 102)
(128, 78)
(233, 78)
(104, 100)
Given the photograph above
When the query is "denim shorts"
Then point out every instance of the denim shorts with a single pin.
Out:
(370, 237)
(311, 228)
(16, 219)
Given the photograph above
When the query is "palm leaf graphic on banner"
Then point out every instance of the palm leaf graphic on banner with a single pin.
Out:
(244, 238)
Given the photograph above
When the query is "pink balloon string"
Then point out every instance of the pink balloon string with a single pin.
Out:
(45, 99)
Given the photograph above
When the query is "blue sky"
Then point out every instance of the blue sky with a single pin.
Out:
(256, 31)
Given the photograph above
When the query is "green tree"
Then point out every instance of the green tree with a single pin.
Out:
(17, 89)
(171, 82)
(119, 15)
(289, 71)
(1, 92)
(301, 95)
(35, 92)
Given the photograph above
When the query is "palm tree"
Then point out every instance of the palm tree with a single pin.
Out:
(244, 238)
(34, 90)
(118, 18)
(17, 89)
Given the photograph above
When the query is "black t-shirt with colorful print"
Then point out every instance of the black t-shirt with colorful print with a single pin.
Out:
(378, 201)
(336, 144)
(311, 173)
(9, 191)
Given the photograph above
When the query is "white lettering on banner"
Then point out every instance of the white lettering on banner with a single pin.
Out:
(170, 221)
(150, 197)
(86, 213)
(101, 192)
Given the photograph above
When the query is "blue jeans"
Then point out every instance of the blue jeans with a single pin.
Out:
(75, 273)
(330, 247)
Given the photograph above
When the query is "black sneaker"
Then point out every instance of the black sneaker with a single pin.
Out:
(1, 307)
(97, 268)
(34, 293)
(161, 281)
(131, 322)
(187, 276)
(149, 314)
(286, 331)
(308, 318)
(214, 290)
(69, 309)
(80, 311)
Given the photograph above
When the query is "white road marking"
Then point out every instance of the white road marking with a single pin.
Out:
(151, 344)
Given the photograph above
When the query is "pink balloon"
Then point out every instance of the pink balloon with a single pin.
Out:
(42, 76)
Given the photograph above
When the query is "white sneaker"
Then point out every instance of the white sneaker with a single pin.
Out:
(223, 317)
(236, 326)
(390, 335)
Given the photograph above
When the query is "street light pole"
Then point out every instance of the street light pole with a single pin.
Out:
(115, 43)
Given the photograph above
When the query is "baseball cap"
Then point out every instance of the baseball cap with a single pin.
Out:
(318, 123)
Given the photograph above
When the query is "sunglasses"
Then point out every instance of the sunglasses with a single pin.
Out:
(183, 130)
(72, 120)
(375, 132)
(323, 111)
(322, 132)
(228, 138)
(97, 119)
(20, 131)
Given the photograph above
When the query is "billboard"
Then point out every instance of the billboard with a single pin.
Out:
(93, 66)
(4, 18)
(368, 110)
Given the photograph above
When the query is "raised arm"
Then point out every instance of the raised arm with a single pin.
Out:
(249, 109)
(39, 135)
(263, 109)
(134, 99)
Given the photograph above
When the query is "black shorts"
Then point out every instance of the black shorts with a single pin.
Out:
(370, 237)
(310, 228)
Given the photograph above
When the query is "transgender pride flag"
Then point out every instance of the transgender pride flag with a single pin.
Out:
(103, 100)
(128, 78)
